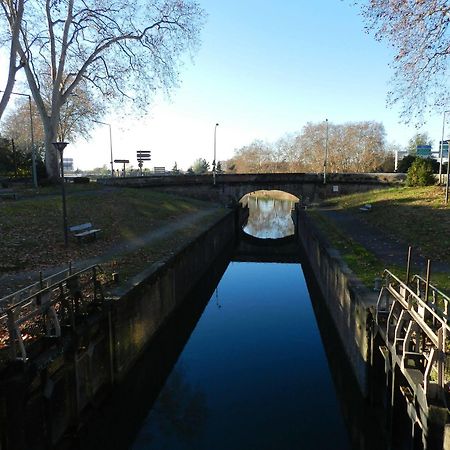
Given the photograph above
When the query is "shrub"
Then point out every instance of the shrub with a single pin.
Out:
(420, 173)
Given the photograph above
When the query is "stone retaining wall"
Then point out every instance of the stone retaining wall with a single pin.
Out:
(349, 302)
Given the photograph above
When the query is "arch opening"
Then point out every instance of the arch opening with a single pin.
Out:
(270, 214)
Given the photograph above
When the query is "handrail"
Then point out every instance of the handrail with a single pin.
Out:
(436, 294)
(422, 303)
(30, 288)
(64, 308)
(48, 288)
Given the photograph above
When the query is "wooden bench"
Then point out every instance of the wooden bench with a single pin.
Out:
(84, 230)
(8, 193)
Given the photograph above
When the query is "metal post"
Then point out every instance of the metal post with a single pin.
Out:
(63, 189)
(427, 285)
(110, 144)
(214, 160)
(446, 181)
(60, 146)
(441, 149)
(326, 157)
(408, 265)
(33, 150)
(111, 152)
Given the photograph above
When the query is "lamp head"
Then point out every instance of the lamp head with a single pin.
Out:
(60, 146)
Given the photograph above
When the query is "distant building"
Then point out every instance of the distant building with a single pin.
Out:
(68, 164)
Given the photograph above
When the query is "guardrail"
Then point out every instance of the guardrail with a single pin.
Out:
(27, 291)
(416, 327)
(43, 313)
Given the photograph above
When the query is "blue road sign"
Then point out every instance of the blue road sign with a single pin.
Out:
(423, 150)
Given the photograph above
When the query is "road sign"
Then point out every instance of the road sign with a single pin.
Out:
(144, 155)
(444, 148)
(423, 150)
(122, 161)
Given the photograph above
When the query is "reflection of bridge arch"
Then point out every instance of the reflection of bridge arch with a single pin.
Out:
(270, 214)
(281, 194)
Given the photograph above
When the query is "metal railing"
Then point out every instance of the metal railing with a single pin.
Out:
(29, 290)
(415, 321)
(45, 312)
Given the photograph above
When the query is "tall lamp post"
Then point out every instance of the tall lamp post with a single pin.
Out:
(441, 150)
(60, 146)
(326, 156)
(33, 150)
(214, 160)
(110, 144)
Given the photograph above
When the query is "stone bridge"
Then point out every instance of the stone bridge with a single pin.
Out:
(230, 188)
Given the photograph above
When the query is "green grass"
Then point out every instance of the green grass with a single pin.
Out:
(417, 216)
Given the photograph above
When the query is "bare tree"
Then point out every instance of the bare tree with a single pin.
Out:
(75, 119)
(12, 15)
(352, 147)
(418, 32)
(122, 49)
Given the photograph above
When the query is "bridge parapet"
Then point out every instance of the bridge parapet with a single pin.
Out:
(252, 178)
(230, 188)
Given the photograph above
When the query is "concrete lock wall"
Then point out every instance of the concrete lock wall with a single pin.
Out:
(43, 399)
(349, 302)
(139, 310)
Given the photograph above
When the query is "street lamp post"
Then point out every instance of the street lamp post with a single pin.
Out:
(33, 150)
(60, 146)
(446, 181)
(441, 150)
(326, 156)
(110, 145)
(214, 160)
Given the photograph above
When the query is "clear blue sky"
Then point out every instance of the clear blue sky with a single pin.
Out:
(264, 69)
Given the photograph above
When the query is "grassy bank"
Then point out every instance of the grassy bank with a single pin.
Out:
(32, 232)
(413, 215)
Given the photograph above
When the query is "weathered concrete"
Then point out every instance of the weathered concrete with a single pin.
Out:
(230, 188)
(349, 302)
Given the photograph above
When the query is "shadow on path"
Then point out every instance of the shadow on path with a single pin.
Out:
(389, 250)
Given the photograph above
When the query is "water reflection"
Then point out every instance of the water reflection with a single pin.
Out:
(253, 374)
(269, 214)
(179, 414)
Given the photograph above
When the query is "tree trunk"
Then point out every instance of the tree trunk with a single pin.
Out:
(13, 68)
(51, 154)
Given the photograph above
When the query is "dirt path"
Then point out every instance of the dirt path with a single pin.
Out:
(14, 281)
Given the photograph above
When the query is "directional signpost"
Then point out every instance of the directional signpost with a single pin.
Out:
(122, 161)
(143, 155)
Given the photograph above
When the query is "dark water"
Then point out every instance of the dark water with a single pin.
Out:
(253, 375)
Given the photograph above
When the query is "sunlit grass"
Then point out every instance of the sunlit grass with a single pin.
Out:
(364, 263)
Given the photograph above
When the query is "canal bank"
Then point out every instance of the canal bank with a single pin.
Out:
(48, 394)
(44, 396)
(348, 301)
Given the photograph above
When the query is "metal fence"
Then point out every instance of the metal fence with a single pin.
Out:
(43, 311)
